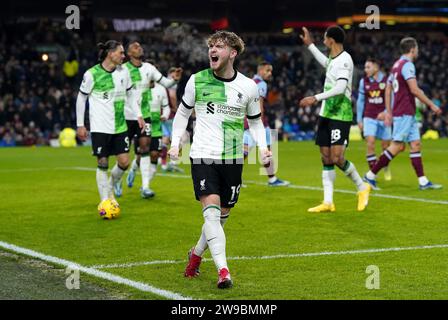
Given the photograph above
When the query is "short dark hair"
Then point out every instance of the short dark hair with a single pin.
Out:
(105, 48)
(374, 60)
(336, 33)
(129, 45)
(264, 63)
(406, 44)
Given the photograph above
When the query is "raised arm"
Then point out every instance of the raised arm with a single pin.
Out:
(318, 55)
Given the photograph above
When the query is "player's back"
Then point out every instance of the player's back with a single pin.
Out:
(404, 101)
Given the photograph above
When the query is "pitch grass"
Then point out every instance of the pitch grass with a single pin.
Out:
(49, 206)
(29, 279)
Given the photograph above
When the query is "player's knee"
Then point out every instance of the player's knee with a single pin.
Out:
(371, 144)
(103, 163)
(154, 157)
(338, 160)
(415, 146)
(326, 160)
(123, 164)
(144, 149)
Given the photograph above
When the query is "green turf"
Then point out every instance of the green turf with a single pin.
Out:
(30, 279)
(50, 206)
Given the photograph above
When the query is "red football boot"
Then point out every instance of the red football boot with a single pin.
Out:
(224, 280)
(194, 261)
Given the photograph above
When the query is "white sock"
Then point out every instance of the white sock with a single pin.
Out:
(328, 178)
(272, 180)
(102, 183)
(116, 174)
(214, 233)
(144, 169)
(152, 171)
(202, 245)
(351, 172)
(134, 165)
(423, 180)
(370, 175)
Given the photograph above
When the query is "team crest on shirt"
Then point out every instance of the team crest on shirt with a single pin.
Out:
(382, 85)
(240, 98)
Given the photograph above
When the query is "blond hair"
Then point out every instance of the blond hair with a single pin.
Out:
(228, 38)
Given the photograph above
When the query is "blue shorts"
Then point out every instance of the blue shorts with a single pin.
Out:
(249, 141)
(376, 128)
(405, 129)
(167, 128)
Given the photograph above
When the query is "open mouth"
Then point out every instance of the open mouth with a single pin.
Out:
(214, 58)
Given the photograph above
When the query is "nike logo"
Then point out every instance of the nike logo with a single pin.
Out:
(211, 239)
(206, 94)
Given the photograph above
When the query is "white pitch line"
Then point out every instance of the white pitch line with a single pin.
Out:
(278, 256)
(379, 195)
(183, 176)
(93, 272)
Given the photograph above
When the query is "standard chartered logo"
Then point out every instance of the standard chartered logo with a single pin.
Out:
(211, 108)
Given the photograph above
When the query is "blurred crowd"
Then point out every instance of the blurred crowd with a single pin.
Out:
(38, 94)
